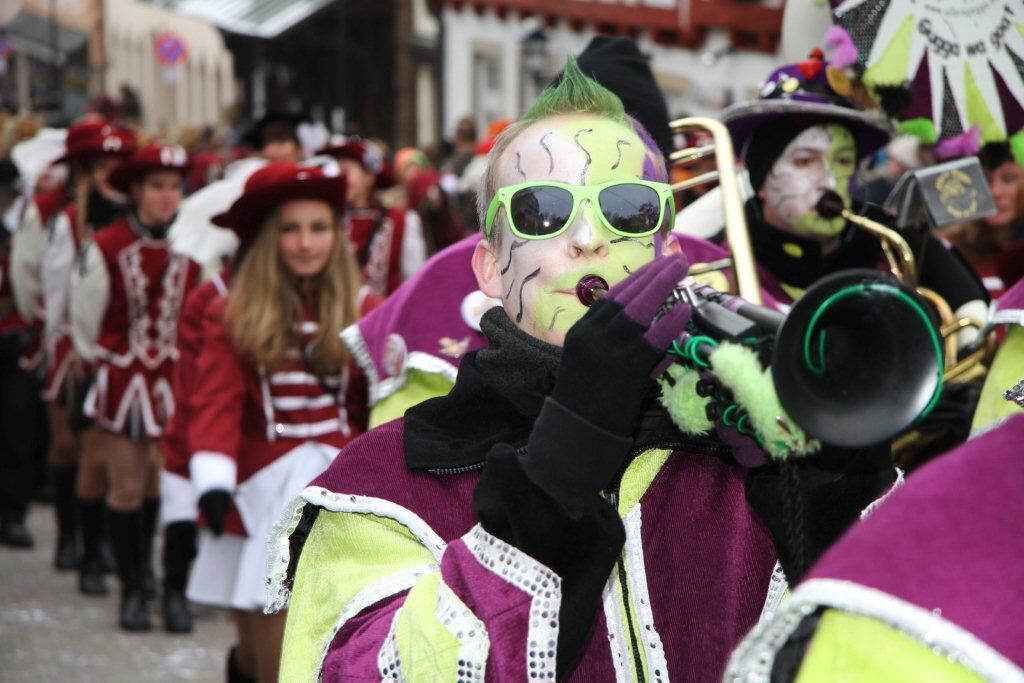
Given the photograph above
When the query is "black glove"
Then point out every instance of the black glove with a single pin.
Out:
(603, 384)
(215, 505)
(609, 355)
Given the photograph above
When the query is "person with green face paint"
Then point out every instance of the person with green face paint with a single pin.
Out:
(546, 519)
(801, 139)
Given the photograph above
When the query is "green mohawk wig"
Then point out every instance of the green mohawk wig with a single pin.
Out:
(576, 93)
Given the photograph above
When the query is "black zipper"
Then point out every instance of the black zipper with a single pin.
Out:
(702, 446)
(458, 470)
(698, 445)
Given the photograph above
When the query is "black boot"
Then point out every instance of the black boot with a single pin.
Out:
(90, 569)
(126, 540)
(235, 674)
(13, 533)
(150, 515)
(179, 549)
(66, 556)
(107, 562)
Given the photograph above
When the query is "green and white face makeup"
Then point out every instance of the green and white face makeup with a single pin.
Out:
(819, 159)
(536, 279)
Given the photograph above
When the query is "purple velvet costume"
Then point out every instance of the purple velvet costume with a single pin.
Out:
(700, 562)
(941, 560)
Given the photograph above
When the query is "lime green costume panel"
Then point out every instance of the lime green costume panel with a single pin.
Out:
(850, 648)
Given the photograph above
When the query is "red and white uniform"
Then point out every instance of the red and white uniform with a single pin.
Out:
(127, 293)
(388, 244)
(28, 246)
(177, 499)
(262, 436)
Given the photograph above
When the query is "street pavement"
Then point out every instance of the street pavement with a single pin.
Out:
(50, 632)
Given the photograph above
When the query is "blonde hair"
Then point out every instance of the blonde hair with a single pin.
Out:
(264, 305)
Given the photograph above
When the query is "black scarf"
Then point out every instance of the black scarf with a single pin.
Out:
(496, 399)
(497, 396)
(799, 261)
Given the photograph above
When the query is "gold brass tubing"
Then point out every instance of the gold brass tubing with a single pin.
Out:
(890, 237)
(736, 231)
(701, 179)
(682, 156)
(959, 324)
(713, 266)
(945, 314)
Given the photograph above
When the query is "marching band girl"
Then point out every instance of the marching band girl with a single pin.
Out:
(273, 401)
(127, 292)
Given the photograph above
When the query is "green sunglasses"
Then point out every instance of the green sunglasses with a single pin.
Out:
(545, 209)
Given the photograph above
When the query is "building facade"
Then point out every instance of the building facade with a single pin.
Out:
(705, 54)
(178, 65)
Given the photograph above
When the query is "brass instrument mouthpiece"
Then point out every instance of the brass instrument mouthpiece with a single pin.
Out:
(591, 289)
(830, 205)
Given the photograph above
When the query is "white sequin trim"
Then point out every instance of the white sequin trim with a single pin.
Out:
(280, 553)
(375, 592)
(279, 556)
(618, 641)
(753, 659)
(1016, 393)
(777, 587)
(389, 663)
(353, 339)
(657, 666)
(471, 633)
(529, 576)
(882, 498)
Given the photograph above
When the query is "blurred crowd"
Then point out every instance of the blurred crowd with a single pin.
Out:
(193, 322)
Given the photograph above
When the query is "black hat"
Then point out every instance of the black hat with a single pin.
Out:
(995, 154)
(276, 122)
(617, 64)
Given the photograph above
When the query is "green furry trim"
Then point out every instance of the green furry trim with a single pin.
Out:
(923, 129)
(1017, 147)
(684, 406)
(739, 370)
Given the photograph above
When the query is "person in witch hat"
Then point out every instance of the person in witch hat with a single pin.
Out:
(93, 148)
(126, 297)
(802, 139)
(274, 395)
(801, 142)
(388, 243)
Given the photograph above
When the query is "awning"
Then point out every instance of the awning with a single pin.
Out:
(30, 34)
(257, 18)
